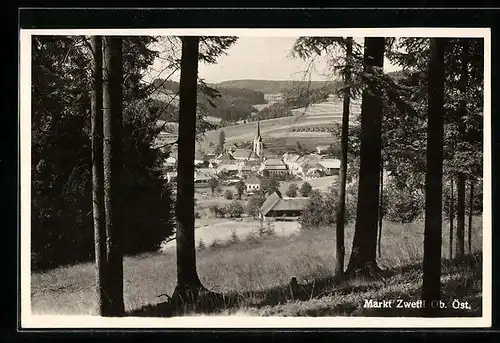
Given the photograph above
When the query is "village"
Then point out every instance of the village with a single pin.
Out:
(238, 173)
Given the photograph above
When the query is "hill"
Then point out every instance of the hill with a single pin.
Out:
(270, 86)
(286, 131)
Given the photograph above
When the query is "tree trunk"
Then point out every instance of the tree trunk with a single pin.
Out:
(381, 208)
(460, 246)
(363, 255)
(433, 179)
(452, 216)
(339, 239)
(98, 177)
(460, 251)
(188, 283)
(471, 206)
(113, 169)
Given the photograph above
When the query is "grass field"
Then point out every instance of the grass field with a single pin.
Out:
(259, 270)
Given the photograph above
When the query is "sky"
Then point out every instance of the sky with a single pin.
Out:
(265, 58)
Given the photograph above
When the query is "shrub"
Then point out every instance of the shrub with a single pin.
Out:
(228, 194)
(240, 188)
(235, 210)
(292, 190)
(322, 210)
(313, 215)
(215, 244)
(234, 237)
(266, 229)
(305, 189)
(254, 204)
(402, 204)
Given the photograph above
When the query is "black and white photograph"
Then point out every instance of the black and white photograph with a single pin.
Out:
(255, 178)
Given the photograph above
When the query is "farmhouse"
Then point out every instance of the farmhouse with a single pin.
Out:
(313, 170)
(277, 206)
(331, 166)
(252, 184)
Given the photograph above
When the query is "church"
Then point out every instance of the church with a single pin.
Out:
(258, 146)
(245, 154)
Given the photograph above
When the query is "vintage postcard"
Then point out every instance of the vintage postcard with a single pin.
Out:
(263, 178)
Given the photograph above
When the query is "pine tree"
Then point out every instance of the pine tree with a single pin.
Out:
(340, 222)
(363, 255)
(188, 282)
(433, 178)
(97, 176)
(113, 169)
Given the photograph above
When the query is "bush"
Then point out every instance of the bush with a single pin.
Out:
(403, 205)
(292, 190)
(234, 237)
(228, 194)
(235, 210)
(323, 209)
(305, 189)
(314, 214)
(253, 205)
(266, 230)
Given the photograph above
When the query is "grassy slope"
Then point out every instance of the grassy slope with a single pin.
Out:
(259, 270)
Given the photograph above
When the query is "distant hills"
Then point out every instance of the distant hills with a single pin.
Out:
(269, 86)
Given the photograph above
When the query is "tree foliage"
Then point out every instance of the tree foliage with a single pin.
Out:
(269, 185)
(305, 189)
(61, 225)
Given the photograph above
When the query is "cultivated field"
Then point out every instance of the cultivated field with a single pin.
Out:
(317, 115)
(260, 270)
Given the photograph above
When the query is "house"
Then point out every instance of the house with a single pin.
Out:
(331, 165)
(228, 168)
(199, 158)
(322, 149)
(274, 166)
(291, 161)
(210, 172)
(201, 180)
(224, 157)
(244, 155)
(245, 171)
(277, 206)
(252, 184)
(302, 164)
(313, 170)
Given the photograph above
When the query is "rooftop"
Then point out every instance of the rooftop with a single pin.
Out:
(278, 203)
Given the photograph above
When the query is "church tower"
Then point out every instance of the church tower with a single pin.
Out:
(258, 147)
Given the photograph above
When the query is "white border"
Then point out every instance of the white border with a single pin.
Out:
(46, 321)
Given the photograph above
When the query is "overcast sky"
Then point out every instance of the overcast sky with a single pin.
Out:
(264, 58)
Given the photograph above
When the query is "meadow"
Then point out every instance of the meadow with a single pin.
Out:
(258, 270)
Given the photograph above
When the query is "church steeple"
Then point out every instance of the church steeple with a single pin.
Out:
(257, 142)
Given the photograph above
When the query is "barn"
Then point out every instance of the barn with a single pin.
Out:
(277, 206)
